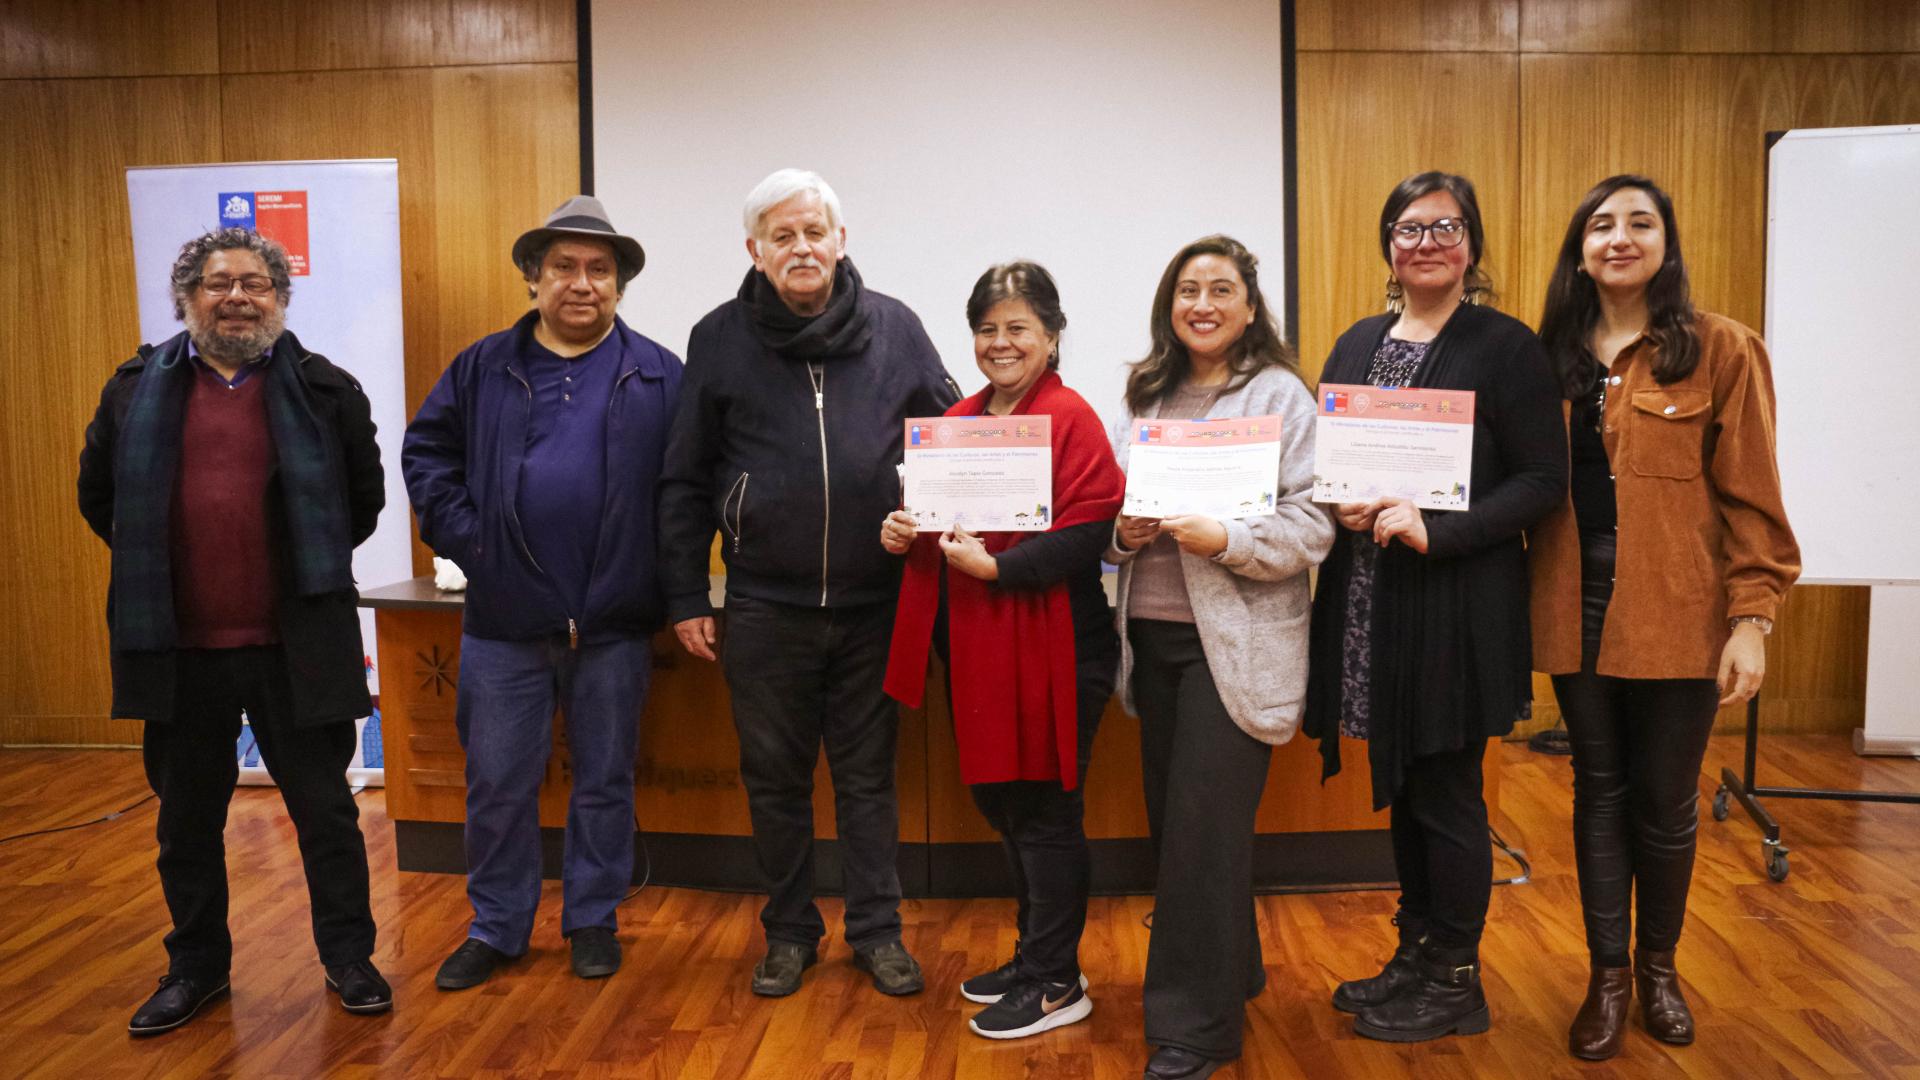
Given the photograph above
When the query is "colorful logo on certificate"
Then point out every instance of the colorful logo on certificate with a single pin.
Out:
(1336, 401)
(277, 215)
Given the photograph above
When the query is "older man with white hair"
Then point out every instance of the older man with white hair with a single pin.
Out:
(786, 438)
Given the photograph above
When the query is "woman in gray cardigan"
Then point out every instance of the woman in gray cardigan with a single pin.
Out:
(1213, 629)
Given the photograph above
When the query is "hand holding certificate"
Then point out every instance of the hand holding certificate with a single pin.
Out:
(1374, 442)
(981, 473)
(1221, 469)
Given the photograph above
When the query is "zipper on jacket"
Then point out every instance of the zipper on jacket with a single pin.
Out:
(739, 509)
(817, 374)
(573, 634)
(513, 514)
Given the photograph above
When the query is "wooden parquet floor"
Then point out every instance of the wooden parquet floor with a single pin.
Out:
(1817, 976)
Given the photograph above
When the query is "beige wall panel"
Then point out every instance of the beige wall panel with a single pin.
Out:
(484, 152)
(1719, 26)
(51, 38)
(67, 303)
(301, 35)
(1368, 120)
(1407, 25)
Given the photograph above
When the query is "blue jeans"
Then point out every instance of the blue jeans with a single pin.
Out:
(508, 690)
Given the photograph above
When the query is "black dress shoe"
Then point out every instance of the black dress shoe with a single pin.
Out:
(360, 987)
(596, 952)
(778, 973)
(470, 965)
(178, 998)
(1173, 1063)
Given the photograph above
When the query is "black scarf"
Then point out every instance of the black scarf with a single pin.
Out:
(319, 548)
(841, 330)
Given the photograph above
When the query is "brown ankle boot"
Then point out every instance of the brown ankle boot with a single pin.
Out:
(1601, 1024)
(1661, 1004)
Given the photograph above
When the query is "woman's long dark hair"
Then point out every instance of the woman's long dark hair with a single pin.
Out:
(1163, 368)
(1573, 303)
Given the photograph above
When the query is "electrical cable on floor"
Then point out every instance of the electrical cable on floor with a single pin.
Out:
(80, 825)
(644, 854)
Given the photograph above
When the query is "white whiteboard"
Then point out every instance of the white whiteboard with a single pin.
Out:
(1843, 293)
(1096, 137)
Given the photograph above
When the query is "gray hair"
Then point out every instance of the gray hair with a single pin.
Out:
(195, 253)
(784, 184)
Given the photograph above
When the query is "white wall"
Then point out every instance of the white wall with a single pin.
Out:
(1094, 137)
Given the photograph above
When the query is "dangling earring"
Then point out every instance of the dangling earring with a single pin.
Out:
(1396, 296)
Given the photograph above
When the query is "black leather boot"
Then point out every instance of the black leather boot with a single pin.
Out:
(1445, 1001)
(1356, 994)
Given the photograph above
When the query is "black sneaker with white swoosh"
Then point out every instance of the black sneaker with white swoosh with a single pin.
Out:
(1032, 1007)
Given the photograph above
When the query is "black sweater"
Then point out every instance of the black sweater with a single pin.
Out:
(1452, 653)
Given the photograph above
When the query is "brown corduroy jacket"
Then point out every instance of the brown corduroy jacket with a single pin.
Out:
(1703, 535)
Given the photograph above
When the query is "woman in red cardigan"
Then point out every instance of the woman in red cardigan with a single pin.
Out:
(1031, 651)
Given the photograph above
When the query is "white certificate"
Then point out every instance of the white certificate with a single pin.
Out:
(1375, 442)
(1221, 468)
(984, 473)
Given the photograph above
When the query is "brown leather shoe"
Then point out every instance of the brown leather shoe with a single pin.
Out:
(1661, 1004)
(1601, 1024)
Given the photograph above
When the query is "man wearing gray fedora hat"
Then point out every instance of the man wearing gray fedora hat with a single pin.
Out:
(532, 464)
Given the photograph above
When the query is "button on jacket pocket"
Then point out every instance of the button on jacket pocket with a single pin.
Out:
(1667, 432)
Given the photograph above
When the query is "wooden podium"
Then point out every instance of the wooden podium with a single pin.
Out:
(692, 809)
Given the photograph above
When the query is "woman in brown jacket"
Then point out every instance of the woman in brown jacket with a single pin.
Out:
(1654, 590)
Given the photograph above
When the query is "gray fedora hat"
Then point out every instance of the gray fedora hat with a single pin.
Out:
(581, 216)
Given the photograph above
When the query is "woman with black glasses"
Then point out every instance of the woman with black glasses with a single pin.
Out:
(1420, 625)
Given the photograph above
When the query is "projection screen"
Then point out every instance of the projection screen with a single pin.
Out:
(1094, 136)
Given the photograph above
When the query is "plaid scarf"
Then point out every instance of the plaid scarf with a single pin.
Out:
(318, 547)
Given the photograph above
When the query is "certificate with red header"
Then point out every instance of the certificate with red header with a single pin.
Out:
(983, 473)
(1374, 442)
(1227, 468)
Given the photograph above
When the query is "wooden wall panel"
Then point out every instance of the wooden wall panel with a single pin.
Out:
(59, 38)
(1367, 121)
(66, 301)
(300, 35)
(485, 153)
(1407, 25)
(1719, 26)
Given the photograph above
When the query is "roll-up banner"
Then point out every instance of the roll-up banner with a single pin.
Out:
(340, 224)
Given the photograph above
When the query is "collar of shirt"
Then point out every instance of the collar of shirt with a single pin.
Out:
(246, 371)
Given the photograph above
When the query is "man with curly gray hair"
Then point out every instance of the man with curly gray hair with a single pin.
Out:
(232, 473)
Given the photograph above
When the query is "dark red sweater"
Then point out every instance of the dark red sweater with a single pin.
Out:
(223, 579)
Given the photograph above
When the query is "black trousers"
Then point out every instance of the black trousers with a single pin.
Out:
(802, 678)
(1203, 778)
(1042, 828)
(1441, 850)
(1637, 748)
(192, 766)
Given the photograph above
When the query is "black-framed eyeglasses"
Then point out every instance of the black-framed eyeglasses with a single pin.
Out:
(1447, 232)
(252, 285)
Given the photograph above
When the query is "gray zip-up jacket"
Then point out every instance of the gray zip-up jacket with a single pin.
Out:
(1251, 603)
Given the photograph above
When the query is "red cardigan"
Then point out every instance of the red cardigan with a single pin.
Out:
(1014, 700)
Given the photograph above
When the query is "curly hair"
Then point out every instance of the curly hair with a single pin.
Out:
(195, 253)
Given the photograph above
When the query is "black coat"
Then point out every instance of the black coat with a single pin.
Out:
(326, 659)
(1452, 654)
(797, 488)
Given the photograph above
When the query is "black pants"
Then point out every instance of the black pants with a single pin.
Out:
(192, 766)
(1042, 828)
(1440, 847)
(1637, 747)
(1203, 779)
(801, 678)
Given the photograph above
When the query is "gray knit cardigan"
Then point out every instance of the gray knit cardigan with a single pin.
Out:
(1251, 602)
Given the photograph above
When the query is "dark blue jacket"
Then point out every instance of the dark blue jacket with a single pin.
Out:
(461, 459)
